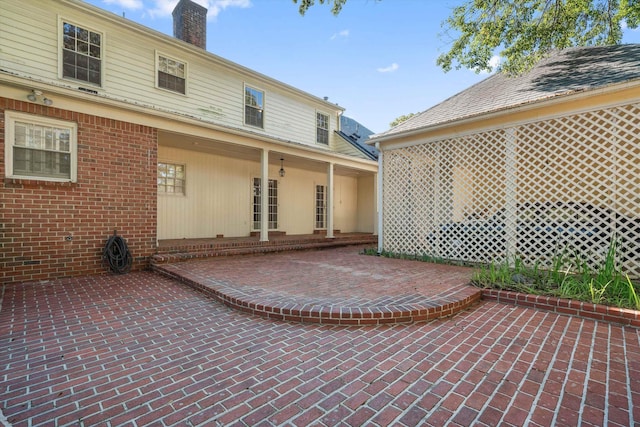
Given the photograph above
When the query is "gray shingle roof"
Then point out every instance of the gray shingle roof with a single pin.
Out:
(562, 73)
(356, 134)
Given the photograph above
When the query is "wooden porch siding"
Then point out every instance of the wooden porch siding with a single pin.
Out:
(175, 250)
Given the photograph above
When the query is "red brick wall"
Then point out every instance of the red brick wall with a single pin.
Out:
(116, 189)
(190, 23)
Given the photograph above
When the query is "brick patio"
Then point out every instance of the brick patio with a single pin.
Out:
(338, 286)
(143, 349)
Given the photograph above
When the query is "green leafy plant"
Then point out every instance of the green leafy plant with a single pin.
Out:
(568, 275)
(634, 301)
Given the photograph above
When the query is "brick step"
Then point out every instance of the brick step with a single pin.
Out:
(185, 253)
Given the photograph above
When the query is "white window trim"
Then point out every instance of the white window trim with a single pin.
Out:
(186, 73)
(244, 106)
(13, 116)
(278, 212)
(103, 56)
(184, 188)
(315, 127)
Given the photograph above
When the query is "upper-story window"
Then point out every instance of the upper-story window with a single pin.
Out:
(253, 107)
(322, 128)
(40, 148)
(81, 54)
(171, 74)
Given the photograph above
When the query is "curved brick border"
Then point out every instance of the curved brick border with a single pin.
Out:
(263, 303)
(569, 307)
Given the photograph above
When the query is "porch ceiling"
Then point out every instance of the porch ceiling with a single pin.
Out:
(236, 151)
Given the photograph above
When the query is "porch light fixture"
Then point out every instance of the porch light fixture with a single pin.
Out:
(281, 167)
(35, 94)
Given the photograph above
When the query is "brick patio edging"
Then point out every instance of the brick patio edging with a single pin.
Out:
(326, 314)
(623, 316)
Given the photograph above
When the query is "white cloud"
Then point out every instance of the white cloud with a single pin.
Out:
(162, 8)
(214, 7)
(126, 4)
(390, 69)
(217, 6)
(343, 34)
(495, 61)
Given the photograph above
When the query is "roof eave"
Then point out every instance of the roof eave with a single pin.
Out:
(357, 146)
(558, 97)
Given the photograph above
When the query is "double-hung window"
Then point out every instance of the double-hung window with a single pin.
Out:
(322, 128)
(172, 74)
(82, 51)
(253, 107)
(40, 148)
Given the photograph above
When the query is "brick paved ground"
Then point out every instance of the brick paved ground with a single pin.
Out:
(142, 349)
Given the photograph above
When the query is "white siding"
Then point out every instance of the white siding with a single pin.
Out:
(345, 203)
(366, 204)
(217, 199)
(215, 90)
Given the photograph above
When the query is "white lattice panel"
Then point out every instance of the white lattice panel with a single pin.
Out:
(567, 185)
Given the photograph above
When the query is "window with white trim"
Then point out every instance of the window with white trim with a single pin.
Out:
(253, 107)
(322, 128)
(40, 148)
(81, 53)
(172, 74)
(321, 207)
(272, 203)
(172, 178)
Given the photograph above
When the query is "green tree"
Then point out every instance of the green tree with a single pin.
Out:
(401, 119)
(527, 30)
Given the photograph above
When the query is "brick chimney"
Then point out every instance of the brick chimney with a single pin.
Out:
(190, 23)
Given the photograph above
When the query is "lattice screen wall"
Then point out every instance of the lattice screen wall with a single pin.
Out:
(567, 185)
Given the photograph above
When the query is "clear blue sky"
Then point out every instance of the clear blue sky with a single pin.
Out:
(377, 59)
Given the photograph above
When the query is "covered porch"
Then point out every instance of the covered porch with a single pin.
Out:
(258, 190)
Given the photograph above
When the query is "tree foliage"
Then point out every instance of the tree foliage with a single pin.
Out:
(401, 119)
(527, 30)
(336, 5)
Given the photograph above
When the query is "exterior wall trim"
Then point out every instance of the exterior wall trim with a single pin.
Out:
(386, 141)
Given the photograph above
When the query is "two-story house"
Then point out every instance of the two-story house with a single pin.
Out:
(108, 125)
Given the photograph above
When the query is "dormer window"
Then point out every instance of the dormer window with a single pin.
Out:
(322, 128)
(171, 74)
(81, 54)
(253, 107)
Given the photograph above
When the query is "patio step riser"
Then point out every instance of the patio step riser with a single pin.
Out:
(190, 253)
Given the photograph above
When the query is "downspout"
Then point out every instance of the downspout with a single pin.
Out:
(379, 201)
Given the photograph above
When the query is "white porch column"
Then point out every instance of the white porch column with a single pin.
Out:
(379, 200)
(330, 201)
(264, 196)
